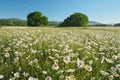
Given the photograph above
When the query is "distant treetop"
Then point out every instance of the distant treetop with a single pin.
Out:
(36, 19)
(76, 19)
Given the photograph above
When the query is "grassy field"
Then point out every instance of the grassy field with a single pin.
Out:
(51, 53)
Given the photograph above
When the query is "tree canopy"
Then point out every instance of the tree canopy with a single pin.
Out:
(76, 19)
(36, 19)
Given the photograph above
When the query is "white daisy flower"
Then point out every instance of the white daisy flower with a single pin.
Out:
(7, 55)
(104, 73)
(109, 60)
(16, 74)
(111, 77)
(91, 62)
(118, 55)
(1, 76)
(35, 60)
(114, 57)
(25, 74)
(30, 62)
(48, 78)
(68, 78)
(66, 59)
(44, 72)
(13, 78)
(60, 71)
(88, 68)
(70, 70)
(80, 63)
(55, 66)
(71, 77)
(16, 59)
(118, 67)
(31, 78)
(103, 58)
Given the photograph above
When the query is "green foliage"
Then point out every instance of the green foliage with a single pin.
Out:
(12, 22)
(36, 19)
(76, 19)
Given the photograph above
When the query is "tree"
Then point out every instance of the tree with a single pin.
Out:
(0, 25)
(36, 19)
(117, 25)
(76, 19)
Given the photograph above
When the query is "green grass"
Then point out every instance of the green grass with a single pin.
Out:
(45, 53)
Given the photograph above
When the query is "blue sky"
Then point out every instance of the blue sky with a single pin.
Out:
(104, 11)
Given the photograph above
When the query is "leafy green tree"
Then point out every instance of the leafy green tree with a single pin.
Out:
(36, 19)
(76, 19)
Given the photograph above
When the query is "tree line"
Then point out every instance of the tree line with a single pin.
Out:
(37, 19)
(12, 22)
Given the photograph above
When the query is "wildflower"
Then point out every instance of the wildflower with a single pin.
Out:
(101, 49)
(118, 55)
(92, 78)
(118, 67)
(73, 54)
(57, 55)
(33, 51)
(16, 74)
(102, 53)
(17, 53)
(88, 68)
(30, 62)
(80, 63)
(56, 60)
(51, 57)
(16, 59)
(72, 77)
(55, 66)
(66, 59)
(67, 46)
(44, 72)
(104, 73)
(113, 69)
(25, 74)
(70, 50)
(7, 55)
(111, 77)
(68, 78)
(13, 78)
(1, 76)
(115, 74)
(109, 60)
(103, 58)
(70, 70)
(60, 45)
(60, 71)
(48, 78)
(7, 49)
(20, 69)
(61, 77)
(114, 57)
(30, 44)
(35, 61)
(31, 78)
(91, 62)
